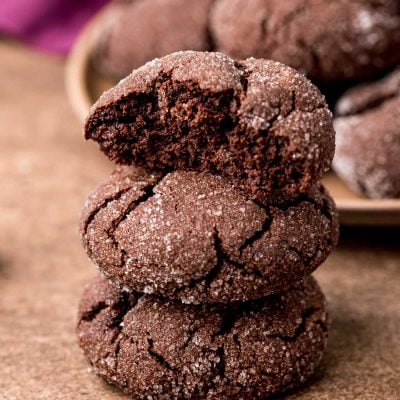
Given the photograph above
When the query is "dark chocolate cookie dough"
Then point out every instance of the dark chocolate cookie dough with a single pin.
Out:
(194, 237)
(258, 123)
(157, 348)
(138, 31)
(327, 40)
(368, 138)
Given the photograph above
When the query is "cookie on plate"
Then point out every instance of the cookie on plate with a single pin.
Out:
(135, 32)
(327, 40)
(258, 123)
(152, 347)
(368, 138)
(194, 237)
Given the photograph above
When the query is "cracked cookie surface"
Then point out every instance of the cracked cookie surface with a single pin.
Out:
(137, 31)
(157, 348)
(368, 138)
(327, 40)
(258, 123)
(193, 236)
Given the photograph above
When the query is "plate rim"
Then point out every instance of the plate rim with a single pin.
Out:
(78, 61)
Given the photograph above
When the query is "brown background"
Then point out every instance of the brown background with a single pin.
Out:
(45, 172)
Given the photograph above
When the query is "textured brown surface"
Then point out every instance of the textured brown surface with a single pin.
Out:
(368, 138)
(138, 31)
(259, 123)
(152, 347)
(327, 40)
(45, 172)
(193, 236)
(369, 95)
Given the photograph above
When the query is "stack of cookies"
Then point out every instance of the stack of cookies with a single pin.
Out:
(207, 234)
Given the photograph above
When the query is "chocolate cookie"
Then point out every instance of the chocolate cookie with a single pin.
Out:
(258, 123)
(327, 40)
(194, 237)
(138, 31)
(154, 348)
(368, 138)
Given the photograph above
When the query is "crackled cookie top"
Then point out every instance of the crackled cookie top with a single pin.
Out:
(157, 348)
(258, 123)
(327, 40)
(194, 237)
(368, 138)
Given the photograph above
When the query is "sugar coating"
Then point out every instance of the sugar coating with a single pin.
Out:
(258, 123)
(327, 40)
(154, 348)
(195, 237)
(369, 95)
(368, 138)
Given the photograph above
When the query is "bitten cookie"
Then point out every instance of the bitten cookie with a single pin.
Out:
(194, 237)
(157, 348)
(258, 123)
(138, 31)
(327, 40)
(368, 138)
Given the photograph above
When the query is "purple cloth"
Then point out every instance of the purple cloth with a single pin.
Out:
(51, 25)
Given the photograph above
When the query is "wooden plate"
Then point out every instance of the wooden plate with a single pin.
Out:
(84, 86)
